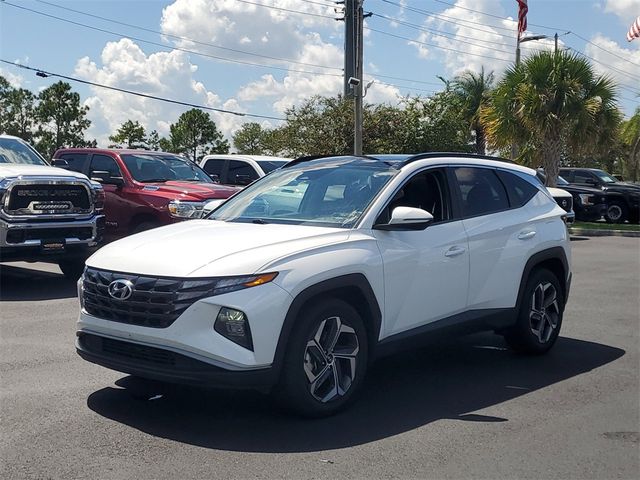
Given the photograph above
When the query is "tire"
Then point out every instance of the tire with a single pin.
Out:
(72, 268)
(540, 316)
(144, 226)
(318, 379)
(617, 212)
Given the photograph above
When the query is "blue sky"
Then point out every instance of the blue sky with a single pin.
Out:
(304, 50)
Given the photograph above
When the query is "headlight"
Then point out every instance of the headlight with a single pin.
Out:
(98, 196)
(587, 198)
(180, 209)
(231, 284)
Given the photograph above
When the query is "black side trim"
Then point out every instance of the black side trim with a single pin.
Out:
(461, 324)
(335, 286)
(554, 253)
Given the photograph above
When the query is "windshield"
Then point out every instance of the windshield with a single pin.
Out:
(156, 167)
(270, 165)
(16, 151)
(330, 192)
(604, 176)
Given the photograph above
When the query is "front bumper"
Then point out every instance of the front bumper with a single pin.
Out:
(166, 365)
(44, 240)
(591, 212)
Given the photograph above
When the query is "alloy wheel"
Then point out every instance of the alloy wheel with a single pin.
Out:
(330, 359)
(614, 213)
(545, 312)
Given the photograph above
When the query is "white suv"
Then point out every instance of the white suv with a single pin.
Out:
(300, 280)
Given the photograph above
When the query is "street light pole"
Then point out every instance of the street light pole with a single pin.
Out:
(358, 88)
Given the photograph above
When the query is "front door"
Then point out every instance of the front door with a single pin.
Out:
(114, 206)
(426, 271)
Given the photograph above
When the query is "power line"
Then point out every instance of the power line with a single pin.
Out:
(288, 10)
(605, 50)
(167, 48)
(186, 39)
(44, 73)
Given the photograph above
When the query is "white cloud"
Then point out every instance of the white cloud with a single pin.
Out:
(164, 74)
(616, 61)
(15, 80)
(626, 10)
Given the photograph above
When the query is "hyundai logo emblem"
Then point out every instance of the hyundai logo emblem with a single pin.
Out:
(121, 289)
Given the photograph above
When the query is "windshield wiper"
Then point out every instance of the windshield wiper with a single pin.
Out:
(259, 221)
(155, 180)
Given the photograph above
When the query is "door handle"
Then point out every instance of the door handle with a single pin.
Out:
(526, 235)
(454, 251)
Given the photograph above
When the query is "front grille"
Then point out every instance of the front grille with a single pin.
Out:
(566, 203)
(155, 302)
(15, 236)
(48, 199)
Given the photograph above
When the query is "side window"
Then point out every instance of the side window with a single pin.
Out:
(519, 190)
(240, 173)
(104, 163)
(584, 177)
(482, 191)
(425, 190)
(76, 161)
(567, 175)
(213, 167)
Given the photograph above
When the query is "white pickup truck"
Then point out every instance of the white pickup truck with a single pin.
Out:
(46, 213)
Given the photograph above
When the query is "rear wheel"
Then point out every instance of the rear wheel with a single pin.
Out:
(72, 268)
(326, 359)
(540, 316)
(616, 212)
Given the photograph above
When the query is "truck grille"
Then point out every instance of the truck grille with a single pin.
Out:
(47, 199)
(16, 236)
(155, 301)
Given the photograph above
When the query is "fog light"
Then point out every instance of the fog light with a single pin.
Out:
(233, 325)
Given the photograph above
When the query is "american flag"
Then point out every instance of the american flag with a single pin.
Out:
(634, 31)
(522, 16)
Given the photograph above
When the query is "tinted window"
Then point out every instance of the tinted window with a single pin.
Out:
(240, 173)
(76, 161)
(214, 167)
(16, 151)
(269, 166)
(104, 163)
(426, 190)
(481, 190)
(520, 191)
(583, 177)
(567, 174)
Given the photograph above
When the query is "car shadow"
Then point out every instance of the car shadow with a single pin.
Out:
(26, 284)
(402, 393)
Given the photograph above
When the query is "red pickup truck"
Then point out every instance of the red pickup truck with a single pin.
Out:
(144, 189)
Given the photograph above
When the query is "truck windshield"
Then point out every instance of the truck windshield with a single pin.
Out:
(156, 167)
(16, 151)
(604, 176)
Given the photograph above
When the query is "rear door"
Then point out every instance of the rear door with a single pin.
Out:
(215, 168)
(501, 233)
(240, 173)
(426, 271)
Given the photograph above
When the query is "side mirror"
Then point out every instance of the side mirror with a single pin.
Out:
(214, 177)
(243, 179)
(406, 218)
(591, 181)
(211, 205)
(105, 178)
(60, 162)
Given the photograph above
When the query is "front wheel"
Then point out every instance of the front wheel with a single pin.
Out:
(326, 359)
(540, 315)
(72, 268)
(616, 212)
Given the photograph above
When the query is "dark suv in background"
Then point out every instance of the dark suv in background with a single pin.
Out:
(623, 199)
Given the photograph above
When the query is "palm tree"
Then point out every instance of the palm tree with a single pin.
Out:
(552, 102)
(474, 91)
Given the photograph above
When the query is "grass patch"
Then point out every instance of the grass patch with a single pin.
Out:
(630, 227)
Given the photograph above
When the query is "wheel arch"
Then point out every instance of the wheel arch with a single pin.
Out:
(353, 289)
(553, 259)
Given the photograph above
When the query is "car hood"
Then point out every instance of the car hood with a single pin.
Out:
(191, 190)
(621, 187)
(558, 192)
(15, 170)
(581, 189)
(209, 248)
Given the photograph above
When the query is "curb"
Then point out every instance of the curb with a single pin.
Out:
(587, 232)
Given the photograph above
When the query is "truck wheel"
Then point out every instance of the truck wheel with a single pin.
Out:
(72, 268)
(540, 315)
(616, 212)
(326, 359)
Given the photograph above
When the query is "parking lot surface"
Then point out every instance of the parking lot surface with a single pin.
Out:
(466, 409)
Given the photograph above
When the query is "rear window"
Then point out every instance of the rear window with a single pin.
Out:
(76, 161)
(519, 190)
(482, 191)
(270, 165)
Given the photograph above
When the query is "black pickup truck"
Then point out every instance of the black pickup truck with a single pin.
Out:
(623, 199)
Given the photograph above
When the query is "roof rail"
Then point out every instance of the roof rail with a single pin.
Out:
(422, 156)
(307, 158)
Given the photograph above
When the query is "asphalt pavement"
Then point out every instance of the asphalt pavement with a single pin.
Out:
(465, 409)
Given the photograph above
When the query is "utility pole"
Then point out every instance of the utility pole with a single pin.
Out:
(555, 38)
(358, 88)
(349, 46)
